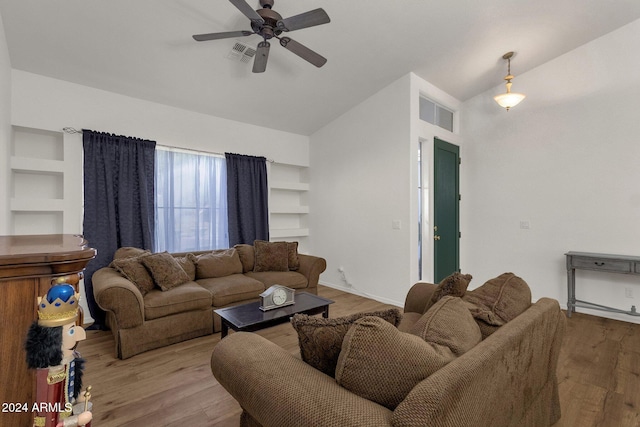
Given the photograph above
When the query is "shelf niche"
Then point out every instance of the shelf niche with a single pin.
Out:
(46, 182)
(288, 201)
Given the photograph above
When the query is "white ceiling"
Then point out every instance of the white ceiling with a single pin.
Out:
(144, 49)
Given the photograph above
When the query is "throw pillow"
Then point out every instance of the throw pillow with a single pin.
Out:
(165, 270)
(449, 325)
(188, 264)
(454, 285)
(247, 256)
(499, 300)
(220, 263)
(320, 339)
(382, 364)
(271, 256)
(134, 271)
(129, 252)
(292, 252)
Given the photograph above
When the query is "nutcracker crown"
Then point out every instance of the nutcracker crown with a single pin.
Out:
(59, 306)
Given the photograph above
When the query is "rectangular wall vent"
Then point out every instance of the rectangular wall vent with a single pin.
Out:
(241, 52)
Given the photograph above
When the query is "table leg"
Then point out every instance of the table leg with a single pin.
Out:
(571, 291)
(325, 312)
(225, 329)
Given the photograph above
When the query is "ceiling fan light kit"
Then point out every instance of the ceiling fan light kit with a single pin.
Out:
(269, 24)
(508, 99)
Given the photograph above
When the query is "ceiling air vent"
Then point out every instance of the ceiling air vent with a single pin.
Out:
(241, 52)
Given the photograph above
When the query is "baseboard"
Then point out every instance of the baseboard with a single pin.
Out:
(354, 291)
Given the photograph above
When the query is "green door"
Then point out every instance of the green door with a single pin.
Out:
(446, 230)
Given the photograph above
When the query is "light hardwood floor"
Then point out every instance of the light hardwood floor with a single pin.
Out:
(599, 375)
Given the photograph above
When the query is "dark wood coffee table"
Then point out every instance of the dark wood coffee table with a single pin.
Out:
(249, 317)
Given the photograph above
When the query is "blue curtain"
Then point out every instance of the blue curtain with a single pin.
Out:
(191, 202)
(118, 199)
(247, 198)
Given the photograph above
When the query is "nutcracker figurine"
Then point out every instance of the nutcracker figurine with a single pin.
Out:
(50, 347)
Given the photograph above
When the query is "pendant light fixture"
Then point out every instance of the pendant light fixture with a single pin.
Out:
(509, 99)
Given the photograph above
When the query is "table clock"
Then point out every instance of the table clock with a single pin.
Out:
(275, 297)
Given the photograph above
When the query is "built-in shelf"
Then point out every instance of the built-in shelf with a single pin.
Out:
(291, 232)
(290, 210)
(46, 182)
(29, 165)
(37, 205)
(288, 202)
(290, 186)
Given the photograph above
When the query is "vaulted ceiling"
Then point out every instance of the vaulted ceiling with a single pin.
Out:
(144, 49)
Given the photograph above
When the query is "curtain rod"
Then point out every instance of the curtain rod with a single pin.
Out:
(72, 131)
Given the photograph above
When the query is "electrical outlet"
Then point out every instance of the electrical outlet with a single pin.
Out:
(628, 292)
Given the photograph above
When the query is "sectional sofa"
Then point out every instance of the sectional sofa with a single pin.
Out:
(154, 300)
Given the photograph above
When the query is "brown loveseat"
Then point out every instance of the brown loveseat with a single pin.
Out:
(508, 378)
(148, 305)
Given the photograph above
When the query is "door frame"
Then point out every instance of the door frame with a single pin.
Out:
(425, 213)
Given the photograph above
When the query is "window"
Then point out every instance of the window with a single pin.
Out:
(435, 114)
(190, 201)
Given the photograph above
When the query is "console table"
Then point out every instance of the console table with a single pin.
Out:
(598, 262)
(28, 265)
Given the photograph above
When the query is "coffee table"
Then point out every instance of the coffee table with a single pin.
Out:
(249, 317)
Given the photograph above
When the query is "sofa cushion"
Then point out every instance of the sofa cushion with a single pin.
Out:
(129, 252)
(247, 256)
(134, 271)
(186, 297)
(219, 263)
(382, 364)
(320, 339)
(271, 256)
(454, 285)
(448, 324)
(409, 318)
(499, 300)
(188, 264)
(290, 279)
(165, 270)
(229, 289)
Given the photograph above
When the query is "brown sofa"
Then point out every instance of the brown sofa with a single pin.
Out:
(144, 316)
(507, 379)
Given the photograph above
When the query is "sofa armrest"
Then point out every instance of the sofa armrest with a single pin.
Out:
(418, 296)
(116, 294)
(507, 379)
(278, 389)
(311, 267)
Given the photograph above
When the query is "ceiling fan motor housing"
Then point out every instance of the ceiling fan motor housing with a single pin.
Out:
(270, 27)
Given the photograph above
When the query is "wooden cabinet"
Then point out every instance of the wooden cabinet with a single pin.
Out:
(28, 264)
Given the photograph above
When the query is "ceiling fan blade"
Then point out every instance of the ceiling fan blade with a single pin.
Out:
(304, 20)
(262, 54)
(247, 10)
(217, 36)
(303, 52)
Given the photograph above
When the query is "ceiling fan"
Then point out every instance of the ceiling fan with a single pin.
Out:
(268, 24)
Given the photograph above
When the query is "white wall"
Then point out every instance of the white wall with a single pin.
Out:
(5, 129)
(51, 104)
(567, 159)
(364, 177)
(360, 184)
(48, 104)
